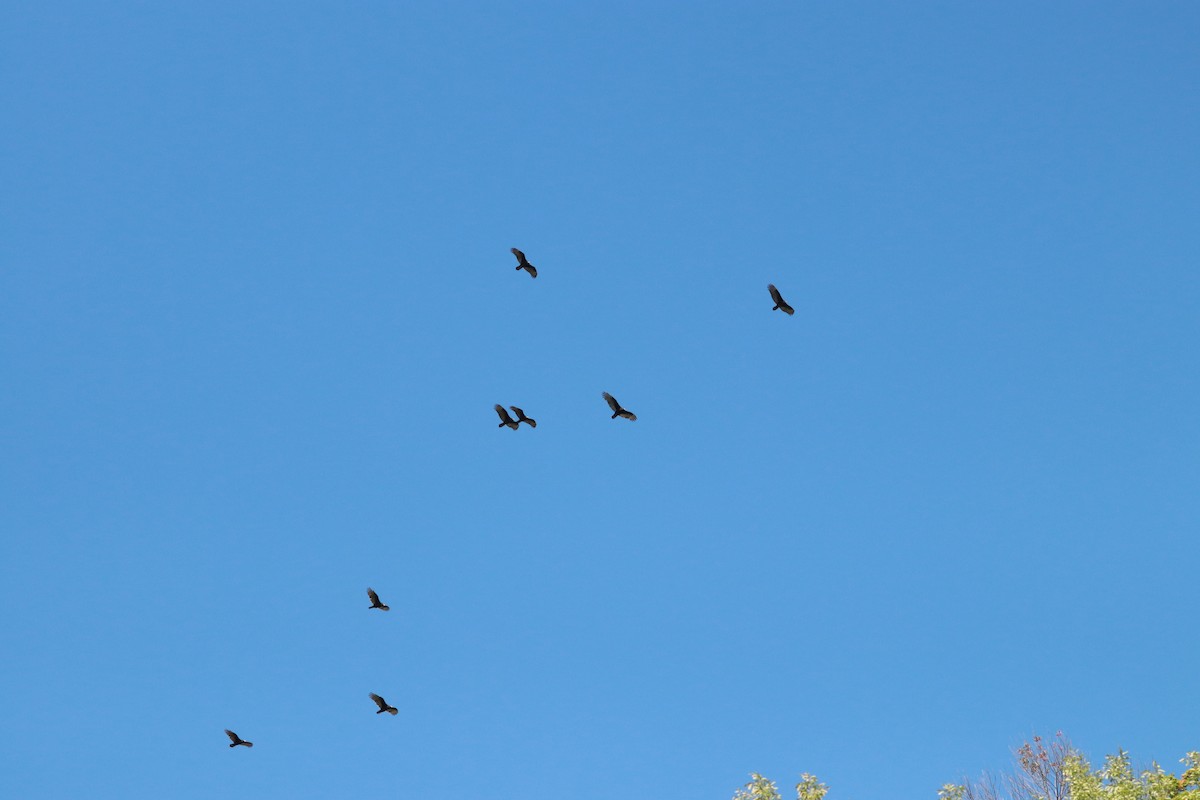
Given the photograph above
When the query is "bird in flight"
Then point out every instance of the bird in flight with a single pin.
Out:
(383, 706)
(505, 419)
(523, 263)
(522, 418)
(375, 600)
(233, 737)
(616, 408)
(780, 303)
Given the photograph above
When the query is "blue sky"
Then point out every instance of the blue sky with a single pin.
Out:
(257, 304)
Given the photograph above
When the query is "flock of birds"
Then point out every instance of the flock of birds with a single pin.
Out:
(507, 421)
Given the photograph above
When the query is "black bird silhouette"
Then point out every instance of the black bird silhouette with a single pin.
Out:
(523, 263)
(779, 301)
(505, 419)
(375, 600)
(616, 408)
(383, 706)
(233, 737)
(522, 418)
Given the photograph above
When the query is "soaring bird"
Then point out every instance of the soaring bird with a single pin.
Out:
(522, 418)
(233, 737)
(523, 263)
(505, 419)
(375, 600)
(779, 301)
(616, 408)
(383, 706)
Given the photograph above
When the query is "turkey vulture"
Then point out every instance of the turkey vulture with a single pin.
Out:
(233, 737)
(616, 408)
(375, 600)
(523, 263)
(779, 301)
(522, 418)
(383, 706)
(505, 419)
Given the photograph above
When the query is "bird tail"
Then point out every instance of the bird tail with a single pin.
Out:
(774, 308)
(234, 744)
(519, 267)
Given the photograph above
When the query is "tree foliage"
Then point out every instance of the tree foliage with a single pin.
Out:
(1116, 780)
(1038, 772)
(1042, 770)
(760, 788)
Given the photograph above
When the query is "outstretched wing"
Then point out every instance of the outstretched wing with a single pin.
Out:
(379, 701)
(504, 417)
(629, 415)
(521, 417)
(374, 597)
(612, 402)
(520, 256)
(531, 269)
(233, 737)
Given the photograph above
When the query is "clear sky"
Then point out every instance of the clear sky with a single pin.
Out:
(257, 302)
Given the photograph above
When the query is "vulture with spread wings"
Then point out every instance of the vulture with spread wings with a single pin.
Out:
(233, 737)
(505, 419)
(616, 408)
(523, 263)
(383, 706)
(522, 418)
(780, 303)
(375, 600)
